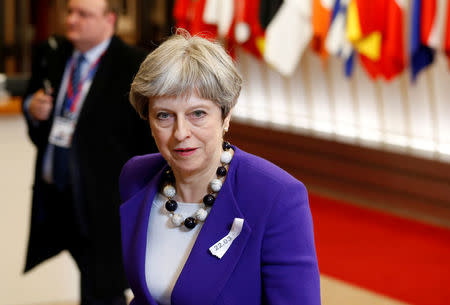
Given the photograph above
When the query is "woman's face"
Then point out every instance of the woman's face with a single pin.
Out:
(188, 132)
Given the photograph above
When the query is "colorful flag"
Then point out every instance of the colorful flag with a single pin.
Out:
(375, 29)
(336, 42)
(430, 23)
(220, 13)
(267, 10)
(288, 35)
(364, 31)
(421, 55)
(188, 14)
(246, 29)
(433, 23)
(322, 11)
(447, 35)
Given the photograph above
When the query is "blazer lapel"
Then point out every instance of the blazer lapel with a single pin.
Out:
(204, 275)
(138, 218)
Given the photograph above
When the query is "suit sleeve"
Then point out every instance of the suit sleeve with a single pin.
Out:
(290, 271)
(36, 131)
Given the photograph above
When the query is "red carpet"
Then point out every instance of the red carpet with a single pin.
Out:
(393, 256)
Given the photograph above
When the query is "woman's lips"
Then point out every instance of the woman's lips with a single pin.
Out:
(185, 151)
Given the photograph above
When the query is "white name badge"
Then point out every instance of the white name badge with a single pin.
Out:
(221, 247)
(62, 131)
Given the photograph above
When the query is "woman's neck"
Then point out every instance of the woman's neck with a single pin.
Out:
(193, 187)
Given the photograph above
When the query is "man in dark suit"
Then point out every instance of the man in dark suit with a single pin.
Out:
(84, 128)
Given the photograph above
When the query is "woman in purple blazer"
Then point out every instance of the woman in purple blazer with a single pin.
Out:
(204, 222)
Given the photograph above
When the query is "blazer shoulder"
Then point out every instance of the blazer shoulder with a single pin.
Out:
(137, 172)
(264, 171)
(261, 186)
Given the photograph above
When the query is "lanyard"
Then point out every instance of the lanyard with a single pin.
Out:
(73, 99)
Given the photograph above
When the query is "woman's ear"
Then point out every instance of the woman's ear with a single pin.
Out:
(226, 122)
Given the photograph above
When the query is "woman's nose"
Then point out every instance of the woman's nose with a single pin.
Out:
(182, 129)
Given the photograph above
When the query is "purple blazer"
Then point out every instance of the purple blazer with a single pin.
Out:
(272, 261)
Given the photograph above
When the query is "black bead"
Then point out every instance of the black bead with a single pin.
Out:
(171, 205)
(208, 200)
(221, 171)
(189, 223)
(226, 145)
(168, 175)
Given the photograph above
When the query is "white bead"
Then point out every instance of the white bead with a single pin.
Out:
(169, 191)
(216, 185)
(201, 214)
(226, 157)
(177, 219)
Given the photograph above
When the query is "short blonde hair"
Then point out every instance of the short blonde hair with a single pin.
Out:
(184, 64)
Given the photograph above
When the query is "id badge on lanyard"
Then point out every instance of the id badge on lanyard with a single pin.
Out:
(64, 126)
(62, 131)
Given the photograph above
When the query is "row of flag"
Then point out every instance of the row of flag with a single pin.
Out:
(279, 32)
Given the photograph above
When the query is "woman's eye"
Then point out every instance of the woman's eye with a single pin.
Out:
(198, 113)
(162, 115)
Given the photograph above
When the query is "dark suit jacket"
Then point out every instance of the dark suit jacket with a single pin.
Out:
(108, 133)
(272, 261)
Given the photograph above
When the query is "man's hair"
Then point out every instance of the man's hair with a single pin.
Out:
(114, 6)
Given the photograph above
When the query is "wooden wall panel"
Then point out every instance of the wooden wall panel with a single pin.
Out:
(394, 179)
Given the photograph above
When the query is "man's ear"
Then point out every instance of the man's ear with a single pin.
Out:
(112, 18)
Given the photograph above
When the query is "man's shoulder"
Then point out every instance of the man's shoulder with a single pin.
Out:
(124, 49)
(55, 44)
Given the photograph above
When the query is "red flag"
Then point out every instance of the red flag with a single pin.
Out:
(188, 14)
(246, 29)
(384, 17)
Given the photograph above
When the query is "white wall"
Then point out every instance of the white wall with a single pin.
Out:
(318, 99)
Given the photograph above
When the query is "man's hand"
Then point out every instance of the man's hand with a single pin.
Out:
(41, 106)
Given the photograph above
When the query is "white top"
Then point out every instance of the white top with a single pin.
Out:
(168, 248)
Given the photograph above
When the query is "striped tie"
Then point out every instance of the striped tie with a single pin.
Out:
(76, 73)
(61, 154)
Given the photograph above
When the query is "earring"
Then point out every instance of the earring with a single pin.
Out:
(225, 129)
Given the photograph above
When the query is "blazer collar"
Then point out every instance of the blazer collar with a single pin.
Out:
(135, 237)
(203, 275)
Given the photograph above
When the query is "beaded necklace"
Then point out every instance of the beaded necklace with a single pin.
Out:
(168, 190)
